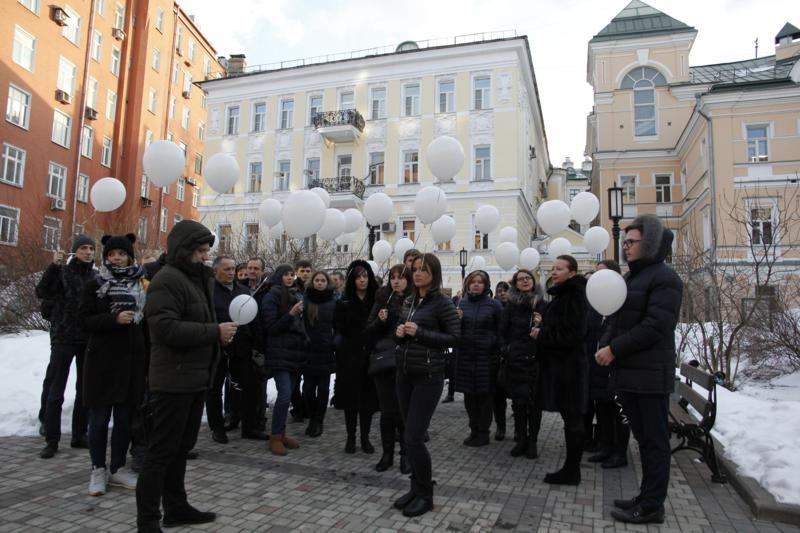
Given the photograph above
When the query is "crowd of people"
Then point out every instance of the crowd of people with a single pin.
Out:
(155, 346)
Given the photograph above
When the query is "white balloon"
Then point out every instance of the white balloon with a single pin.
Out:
(487, 218)
(222, 171)
(378, 208)
(606, 291)
(107, 194)
(529, 259)
(324, 196)
(345, 238)
(243, 309)
(596, 240)
(553, 216)
(559, 246)
(333, 226)
(163, 162)
(381, 251)
(584, 207)
(508, 234)
(374, 266)
(401, 247)
(478, 263)
(507, 255)
(303, 214)
(352, 220)
(270, 211)
(444, 229)
(445, 157)
(430, 204)
(276, 231)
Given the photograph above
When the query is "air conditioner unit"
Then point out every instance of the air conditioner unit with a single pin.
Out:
(186, 94)
(146, 202)
(60, 16)
(91, 114)
(63, 96)
(58, 204)
(118, 34)
(388, 227)
(191, 181)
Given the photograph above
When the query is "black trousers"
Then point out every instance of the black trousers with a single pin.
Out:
(243, 385)
(216, 420)
(418, 396)
(174, 425)
(499, 403)
(298, 405)
(391, 422)
(479, 411)
(648, 417)
(61, 356)
(316, 391)
(614, 434)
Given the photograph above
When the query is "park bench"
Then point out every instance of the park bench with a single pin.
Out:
(693, 427)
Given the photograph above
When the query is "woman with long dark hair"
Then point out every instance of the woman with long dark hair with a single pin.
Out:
(354, 391)
(383, 321)
(320, 308)
(428, 326)
(564, 382)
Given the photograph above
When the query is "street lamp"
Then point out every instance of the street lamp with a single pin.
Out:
(371, 239)
(615, 211)
(463, 257)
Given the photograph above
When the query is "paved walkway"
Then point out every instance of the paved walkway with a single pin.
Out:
(320, 488)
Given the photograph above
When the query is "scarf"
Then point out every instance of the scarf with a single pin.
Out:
(123, 287)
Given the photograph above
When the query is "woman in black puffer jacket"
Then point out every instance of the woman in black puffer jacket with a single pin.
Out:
(383, 321)
(429, 326)
(520, 315)
(319, 309)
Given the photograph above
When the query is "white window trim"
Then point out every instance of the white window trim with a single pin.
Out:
(400, 230)
(343, 90)
(33, 8)
(15, 240)
(107, 149)
(656, 117)
(64, 185)
(405, 86)
(69, 129)
(27, 121)
(67, 8)
(248, 188)
(636, 187)
(22, 167)
(671, 186)
(491, 162)
(310, 118)
(401, 176)
(770, 136)
(226, 117)
(276, 177)
(764, 202)
(83, 194)
(253, 117)
(57, 229)
(439, 81)
(17, 27)
(96, 58)
(290, 123)
(64, 60)
(475, 76)
(371, 99)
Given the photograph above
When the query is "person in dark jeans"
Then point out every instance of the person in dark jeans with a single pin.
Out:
(302, 269)
(183, 327)
(62, 284)
(499, 404)
(429, 326)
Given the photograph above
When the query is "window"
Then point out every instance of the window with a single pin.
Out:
(180, 189)
(152, 100)
(232, 120)
(195, 197)
(254, 176)
(18, 107)
(175, 71)
(97, 45)
(13, 165)
(190, 50)
(483, 163)
(24, 51)
(283, 176)
(185, 115)
(62, 127)
(573, 193)
(148, 138)
(171, 110)
(628, 184)
(251, 239)
(83, 188)
(312, 170)
(162, 223)
(56, 178)
(156, 64)
(377, 104)
(411, 167)
(201, 131)
(100, 6)
(287, 114)
(761, 226)
(481, 94)
(119, 17)
(33, 5)
(91, 98)
(411, 100)
(376, 168)
(447, 93)
(643, 81)
(206, 66)
(66, 76)
(203, 99)
(160, 20)
(184, 149)
(347, 100)
(344, 166)
(187, 83)
(408, 229)
(87, 139)
(259, 117)
(142, 230)
(198, 163)
(72, 30)
(314, 107)
(225, 234)
(481, 240)
(757, 143)
(663, 188)
(9, 224)
(116, 57)
(145, 189)
(111, 106)
(309, 245)
(105, 158)
(51, 233)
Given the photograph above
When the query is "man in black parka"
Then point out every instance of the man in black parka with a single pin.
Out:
(184, 349)
(640, 347)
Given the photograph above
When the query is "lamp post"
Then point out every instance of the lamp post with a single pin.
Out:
(371, 239)
(463, 257)
(615, 211)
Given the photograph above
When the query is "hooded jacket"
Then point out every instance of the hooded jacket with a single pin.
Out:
(286, 337)
(320, 358)
(642, 333)
(517, 345)
(184, 332)
(383, 332)
(61, 287)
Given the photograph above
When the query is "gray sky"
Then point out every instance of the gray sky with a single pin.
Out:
(558, 30)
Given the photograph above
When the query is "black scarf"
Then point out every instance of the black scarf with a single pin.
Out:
(123, 287)
(319, 297)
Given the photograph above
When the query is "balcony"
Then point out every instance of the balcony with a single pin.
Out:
(345, 191)
(339, 126)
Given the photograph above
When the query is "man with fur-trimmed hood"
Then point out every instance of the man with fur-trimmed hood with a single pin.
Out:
(640, 347)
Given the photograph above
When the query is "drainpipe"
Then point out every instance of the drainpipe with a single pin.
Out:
(711, 176)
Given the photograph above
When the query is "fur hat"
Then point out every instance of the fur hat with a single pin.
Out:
(81, 240)
(652, 235)
(118, 242)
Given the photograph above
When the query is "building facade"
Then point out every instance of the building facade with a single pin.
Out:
(88, 85)
(360, 125)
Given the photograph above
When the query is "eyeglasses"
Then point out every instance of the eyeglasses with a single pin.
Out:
(524, 278)
(627, 243)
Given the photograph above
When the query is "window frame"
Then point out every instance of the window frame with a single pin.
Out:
(484, 162)
(281, 175)
(66, 85)
(17, 48)
(180, 189)
(409, 166)
(231, 121)
(186, 117)
(73, 25)
(477, 236)
(83, 188)
(381, 111)
(341, 100)
(754, 142)
(286, 114)
(450, 96)
(152, 100)
(162, 220)
(107, 152)
(405, 233)
(18, 163)
(155, 62)
(60, 179)
(97, 46)
(259, 121)
(311, 174)
(414, 109)
(376, 168)
(87, 141)
(628, 198)
(663, 191)
(484, 92)
(67, 133)
(51, 234)
(116, 60)
(111, 105)
(11, 227)
(26, 106)
(313, 109)
(252, 180)
(31, 5)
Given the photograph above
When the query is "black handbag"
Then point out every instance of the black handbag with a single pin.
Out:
(383, 361)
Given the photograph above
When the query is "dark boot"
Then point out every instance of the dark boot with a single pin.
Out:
(418, 506)
(570, 473)
(534, 422)
(385, 463)
(387, 426)
(520, 431)
(366, 424)
(500, 432)
(319, 428)
(350, 421)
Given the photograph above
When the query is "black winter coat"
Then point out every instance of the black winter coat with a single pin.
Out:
(438, 329)
(565, 370)
(598, 375)
(518, 348)
(114, 362)
(320, 358)
(286, 336)
(477, 352)
(247, 336)
(60, 289)
(383, 332)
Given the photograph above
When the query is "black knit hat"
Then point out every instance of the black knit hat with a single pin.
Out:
(118, 242)
(81, 240)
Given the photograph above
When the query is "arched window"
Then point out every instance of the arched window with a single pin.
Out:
(643, 81)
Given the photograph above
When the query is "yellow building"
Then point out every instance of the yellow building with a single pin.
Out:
(361, 122)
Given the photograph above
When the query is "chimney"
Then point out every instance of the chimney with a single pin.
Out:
(236, 64)
(787, 42)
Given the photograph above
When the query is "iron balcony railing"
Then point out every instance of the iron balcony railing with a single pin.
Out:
(340, 184)
(345, 117)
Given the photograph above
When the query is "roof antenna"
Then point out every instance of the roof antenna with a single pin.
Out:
(756, 43)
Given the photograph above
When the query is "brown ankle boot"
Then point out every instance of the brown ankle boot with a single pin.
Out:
(276, 445)
(289, 442)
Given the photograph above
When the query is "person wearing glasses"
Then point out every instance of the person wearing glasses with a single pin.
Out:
(639, 347)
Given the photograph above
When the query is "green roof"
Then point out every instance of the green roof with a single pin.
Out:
(639, 19)
(788, 30)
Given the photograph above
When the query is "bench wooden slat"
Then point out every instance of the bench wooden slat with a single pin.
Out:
(697, 376)
(701, 404)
